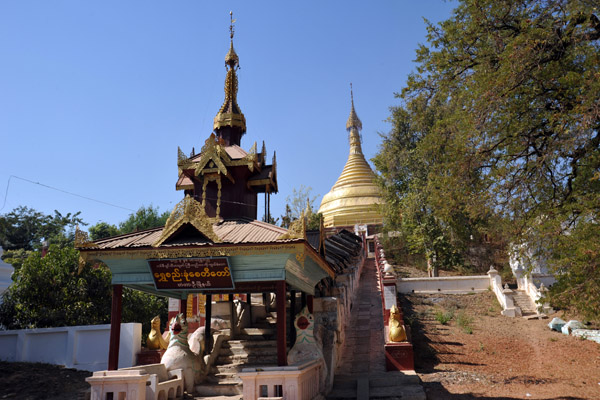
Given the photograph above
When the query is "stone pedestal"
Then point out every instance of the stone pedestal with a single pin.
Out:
(399, 356)
(146, 357)
(130, 385)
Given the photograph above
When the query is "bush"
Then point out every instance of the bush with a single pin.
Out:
(443, 317)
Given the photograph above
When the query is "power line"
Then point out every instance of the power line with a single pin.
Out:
(58, 190)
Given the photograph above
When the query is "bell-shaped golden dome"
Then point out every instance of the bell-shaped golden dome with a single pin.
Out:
(355, 198)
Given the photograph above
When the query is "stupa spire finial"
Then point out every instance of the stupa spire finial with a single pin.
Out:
(353, 120)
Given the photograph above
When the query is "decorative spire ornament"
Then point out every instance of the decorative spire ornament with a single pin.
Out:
(353, 120)
(230, 123)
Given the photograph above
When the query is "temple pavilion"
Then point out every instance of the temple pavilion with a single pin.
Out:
(213, 245)
(354, 200)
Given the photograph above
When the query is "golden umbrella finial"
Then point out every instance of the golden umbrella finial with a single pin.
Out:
(231, 27)
(353, 120)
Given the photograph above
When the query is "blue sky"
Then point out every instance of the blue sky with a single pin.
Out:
(96, 96)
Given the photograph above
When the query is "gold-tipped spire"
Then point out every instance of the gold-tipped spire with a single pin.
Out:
(353, 120)
(231, 58)
(354, 198)
(230, 113)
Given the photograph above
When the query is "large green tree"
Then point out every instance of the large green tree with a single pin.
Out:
(505, 103)
(144, 218)
(26, 228)
(49, 291)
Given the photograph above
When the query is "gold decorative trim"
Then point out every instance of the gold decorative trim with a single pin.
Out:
(185, 187)
(218, 214)
(259, 182)
(188, 211)
(200, 251)
(297, 229)
(301, 257)
(213, 151)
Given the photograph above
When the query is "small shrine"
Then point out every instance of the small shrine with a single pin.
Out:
(213, 249)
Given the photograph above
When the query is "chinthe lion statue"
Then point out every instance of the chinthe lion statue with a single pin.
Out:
(155, 340)
(179, 355)
(397, 331)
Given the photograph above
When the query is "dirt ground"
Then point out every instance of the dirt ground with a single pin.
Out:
(479, 354)
(32, 381)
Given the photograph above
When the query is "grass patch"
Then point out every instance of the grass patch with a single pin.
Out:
(443, 317)
(465, 322)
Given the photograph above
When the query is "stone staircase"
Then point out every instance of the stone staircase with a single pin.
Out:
(252, 347)
(524, 302)
(362, 371)
(383, 385)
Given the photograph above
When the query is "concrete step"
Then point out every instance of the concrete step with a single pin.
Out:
(388, 385)
(239, 343)
(247, 359)
(248, 351)
(342, 394)
(238, 366)
(392, 378)
(253, 333)
(225, 377)
(405, 392)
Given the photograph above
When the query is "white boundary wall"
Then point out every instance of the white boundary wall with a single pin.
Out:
(447, 284)
(79, 347)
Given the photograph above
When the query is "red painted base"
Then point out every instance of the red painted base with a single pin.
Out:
(146, 356)
(399, 356)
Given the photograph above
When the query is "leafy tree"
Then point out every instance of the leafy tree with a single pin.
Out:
(25, 228)
(102, 230)
(16, 257)
(299, 200)
(144, 218)
(269, 219)
(505, 104)
(287, 218)
(48, 291)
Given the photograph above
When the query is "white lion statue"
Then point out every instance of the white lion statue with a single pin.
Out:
(179, 355)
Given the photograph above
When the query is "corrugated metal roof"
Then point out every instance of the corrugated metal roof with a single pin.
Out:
(183, 181)
(240, 230)
(265, 173)
(236, 152)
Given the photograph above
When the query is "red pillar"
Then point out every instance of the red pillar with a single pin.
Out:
(207, 320)
(281, 342)
(183, 307)
(115, 327)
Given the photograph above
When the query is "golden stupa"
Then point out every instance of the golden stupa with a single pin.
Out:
(355, 198)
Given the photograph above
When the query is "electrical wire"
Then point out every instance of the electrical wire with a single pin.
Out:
(58, 190)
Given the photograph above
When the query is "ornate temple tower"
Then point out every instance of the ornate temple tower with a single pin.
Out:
(355, 197)
(225, 178)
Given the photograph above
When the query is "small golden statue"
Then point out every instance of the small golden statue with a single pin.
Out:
(397, 331)
(155, 340)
